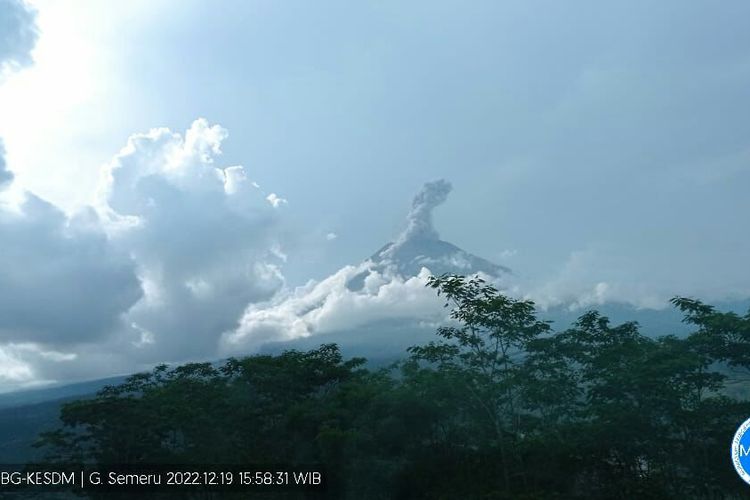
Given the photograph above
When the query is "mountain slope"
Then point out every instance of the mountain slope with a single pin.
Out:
(419, 246)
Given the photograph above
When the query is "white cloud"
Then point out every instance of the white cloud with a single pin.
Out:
(146, 337)
(331, 236)
(12, 369)
(19, 361)
(590, 279)
(275, 200)
(202, 236)
(331, 306)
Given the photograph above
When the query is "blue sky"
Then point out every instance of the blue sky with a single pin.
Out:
(587, 142)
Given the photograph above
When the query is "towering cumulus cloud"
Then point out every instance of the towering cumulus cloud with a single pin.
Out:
(18, 34)
(172, 254)
(202, 237)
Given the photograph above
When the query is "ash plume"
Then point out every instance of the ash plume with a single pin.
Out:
(419, 221)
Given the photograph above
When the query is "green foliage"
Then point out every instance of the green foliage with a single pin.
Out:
(499, 406)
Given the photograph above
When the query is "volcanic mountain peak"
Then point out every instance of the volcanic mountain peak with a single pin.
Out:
(419, 245)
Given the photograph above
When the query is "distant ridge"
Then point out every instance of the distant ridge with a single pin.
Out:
(57, 391)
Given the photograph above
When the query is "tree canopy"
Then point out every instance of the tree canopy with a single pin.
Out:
(498, 406)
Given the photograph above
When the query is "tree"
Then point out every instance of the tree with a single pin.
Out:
(499, 406)
(482, 356)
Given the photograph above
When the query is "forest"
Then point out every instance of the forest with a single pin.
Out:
(499, 406)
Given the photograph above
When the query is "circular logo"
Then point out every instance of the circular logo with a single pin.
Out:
(741, 451)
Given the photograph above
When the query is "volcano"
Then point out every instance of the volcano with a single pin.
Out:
(379, 306)
(419, 246)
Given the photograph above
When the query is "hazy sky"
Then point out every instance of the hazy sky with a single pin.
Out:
(615, 128)
(587, 142)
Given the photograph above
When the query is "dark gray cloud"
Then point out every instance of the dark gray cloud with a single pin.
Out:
(61, 282)
(18, 34)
